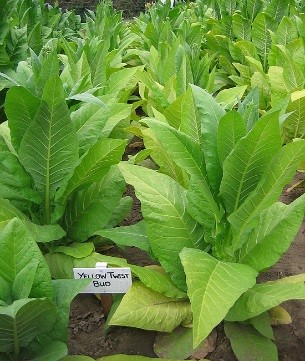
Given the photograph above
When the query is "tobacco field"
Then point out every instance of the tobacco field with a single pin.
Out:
(171, 144)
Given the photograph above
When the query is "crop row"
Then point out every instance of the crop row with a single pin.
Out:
(215, 89)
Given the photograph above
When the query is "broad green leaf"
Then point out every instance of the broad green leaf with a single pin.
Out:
(76, 250)
(5, 293)
(64, 292)
(15, 183)
(275, 230)
(93, 166)
(25, 319)
(241, 27)
(213, 288)
(49, 157)
(144, 308)
(188, 155)
(120, 212)
(278, 174)
(231, 129)
(294, 124)
(245, 165)
(190, 124)
(178, 343)
(163, 158)
(169, 227)
(93, 122)
(16, 45)
(209, 112)
(249, 108)
(91, 208)
(249, 344)
(20, 108)
(132, 236)
(264, 296)
(286, 31)
(17, 250)
(155, 277)
(277, 9)
(49, 69)
(228, 98)
(261, 37)
(52, 351)
(24, 280)
(262, 324)
(121, 79)
(61, 265)
(8, 212)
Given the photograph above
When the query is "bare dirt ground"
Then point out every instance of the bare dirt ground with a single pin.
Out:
(86, 335)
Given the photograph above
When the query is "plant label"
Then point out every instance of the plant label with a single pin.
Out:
(105, 280)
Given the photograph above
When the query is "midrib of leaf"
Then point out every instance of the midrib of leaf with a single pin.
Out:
(47, 188)
(241, 183)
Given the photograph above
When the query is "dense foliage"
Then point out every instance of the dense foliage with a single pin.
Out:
(215, 89)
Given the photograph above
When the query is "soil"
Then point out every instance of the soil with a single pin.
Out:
(87, 319)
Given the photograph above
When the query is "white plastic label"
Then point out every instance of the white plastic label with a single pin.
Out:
(105, 280)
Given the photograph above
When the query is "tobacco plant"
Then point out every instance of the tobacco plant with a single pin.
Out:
(214, 222)
(56, 169)
(34, 310)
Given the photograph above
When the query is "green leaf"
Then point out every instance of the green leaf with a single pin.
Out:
(92, 122)
(286, 31)
(120, 212)
(60, 265)
(244, 167)
(228, 98)
(8, 212)
(144, 308)
(213, 288)
(49, 69)
(20, 108)
(241, 27)
(261, 37)
(209, 112)
(64, 292)
(169, 227)
(52, 351)
(278, 174)
(159, 153)
(188, 155)
(93, 166)
(178, 343)
(91, 208)
(15, 184)
(262, 324)
(277, 9)
(294, 124)
(76, 250)
(51, 156)
(264, 296)
(155, 277)
(275, 230)
(22, 321)
(248, 344)
(18, 250)
(189, 124)
(231, 129)
(132, 236)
